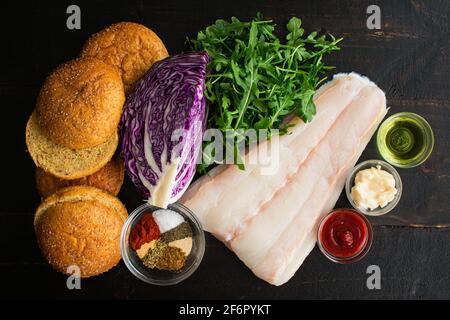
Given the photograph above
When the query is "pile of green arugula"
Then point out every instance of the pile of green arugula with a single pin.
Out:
(255, 79)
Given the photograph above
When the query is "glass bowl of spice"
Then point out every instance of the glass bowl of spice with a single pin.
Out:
(162, 246)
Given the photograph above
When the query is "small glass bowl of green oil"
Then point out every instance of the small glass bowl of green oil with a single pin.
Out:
(405, 140)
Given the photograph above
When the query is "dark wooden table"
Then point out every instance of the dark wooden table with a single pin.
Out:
(408, 58)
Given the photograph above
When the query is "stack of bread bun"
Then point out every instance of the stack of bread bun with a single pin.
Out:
(72, 138)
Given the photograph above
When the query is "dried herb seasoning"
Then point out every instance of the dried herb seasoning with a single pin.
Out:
(180, 232)
(165, 257)
(151, 258)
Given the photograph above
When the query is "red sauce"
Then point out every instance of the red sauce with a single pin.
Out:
(344, 233)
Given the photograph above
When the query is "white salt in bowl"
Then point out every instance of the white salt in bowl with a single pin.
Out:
(155, 276)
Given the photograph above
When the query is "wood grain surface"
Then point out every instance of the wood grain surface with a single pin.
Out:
(408, 58)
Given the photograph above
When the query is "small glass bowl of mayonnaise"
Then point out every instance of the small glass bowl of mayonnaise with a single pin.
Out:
(374, 187)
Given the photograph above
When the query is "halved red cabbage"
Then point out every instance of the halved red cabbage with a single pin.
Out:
(162, 127)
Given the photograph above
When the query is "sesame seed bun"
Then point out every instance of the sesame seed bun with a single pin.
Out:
(109, 178)
(80, 226)
(131, 47)
(80, 104)
(64, 162)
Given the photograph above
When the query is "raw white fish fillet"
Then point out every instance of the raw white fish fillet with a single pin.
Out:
(270, 221)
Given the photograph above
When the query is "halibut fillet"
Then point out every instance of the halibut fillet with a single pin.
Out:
(270, 219)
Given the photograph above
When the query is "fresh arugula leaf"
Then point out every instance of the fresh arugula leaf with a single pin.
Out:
(295, 31)
(255, 79)
(253, 36)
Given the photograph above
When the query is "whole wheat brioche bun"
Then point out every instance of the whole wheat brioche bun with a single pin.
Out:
(63, 162)
(131, 47)
(109, 178)
(80, 226)
(80, 104)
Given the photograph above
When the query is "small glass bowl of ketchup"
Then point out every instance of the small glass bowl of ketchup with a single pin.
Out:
(345, 236)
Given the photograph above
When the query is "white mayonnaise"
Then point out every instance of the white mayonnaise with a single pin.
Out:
(373, 188)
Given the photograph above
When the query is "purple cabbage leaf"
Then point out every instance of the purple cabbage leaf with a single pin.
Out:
(162, 126)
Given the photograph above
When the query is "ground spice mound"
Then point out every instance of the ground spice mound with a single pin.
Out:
(180, 232)
(164, 257)
(151, 258)
(173, 259)
(145, 231)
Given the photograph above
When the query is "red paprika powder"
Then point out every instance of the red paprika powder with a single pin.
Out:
(144, 231)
